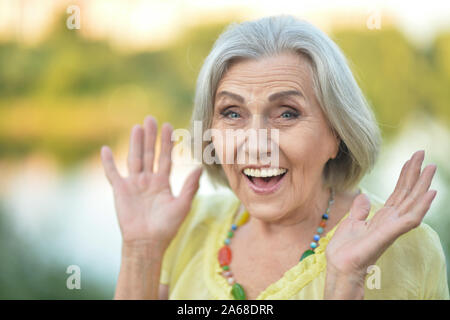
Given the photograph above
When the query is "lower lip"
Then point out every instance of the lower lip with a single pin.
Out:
(267, 190)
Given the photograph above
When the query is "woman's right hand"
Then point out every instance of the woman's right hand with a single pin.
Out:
(147, 211)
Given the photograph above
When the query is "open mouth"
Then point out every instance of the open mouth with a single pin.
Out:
(264, 180)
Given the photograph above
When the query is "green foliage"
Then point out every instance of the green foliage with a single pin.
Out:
(397, 78)
(47, 92)
(69, 95)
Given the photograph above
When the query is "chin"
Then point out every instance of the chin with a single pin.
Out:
(265, 211)
(268, 208)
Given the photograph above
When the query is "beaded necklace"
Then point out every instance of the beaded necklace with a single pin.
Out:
(225, 252)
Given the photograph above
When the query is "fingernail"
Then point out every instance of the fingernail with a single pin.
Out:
(150, 118)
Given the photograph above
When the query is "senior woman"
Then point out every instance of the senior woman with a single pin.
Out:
(300, 229)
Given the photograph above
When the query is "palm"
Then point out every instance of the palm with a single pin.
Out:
(358, 243)
(138, 206)
(146, 208)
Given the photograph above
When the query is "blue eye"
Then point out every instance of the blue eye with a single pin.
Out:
(231, 114)
(289, 115)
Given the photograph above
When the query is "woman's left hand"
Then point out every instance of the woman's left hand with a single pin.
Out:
(358, 243)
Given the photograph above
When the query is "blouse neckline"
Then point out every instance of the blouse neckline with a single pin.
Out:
(292, 281)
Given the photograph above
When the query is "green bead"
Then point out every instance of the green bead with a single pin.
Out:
(306, 253)
(226, 268)
(238, 292)
(230, 234)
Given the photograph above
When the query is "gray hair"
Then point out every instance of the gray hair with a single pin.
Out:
(344, 105)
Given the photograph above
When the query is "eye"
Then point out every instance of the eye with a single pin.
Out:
(289, 115)
(233, 115)
(230, 114)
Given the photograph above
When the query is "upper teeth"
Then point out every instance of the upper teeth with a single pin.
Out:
(264, 172)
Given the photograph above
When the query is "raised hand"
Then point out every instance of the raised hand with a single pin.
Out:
(358, 243)
(147, 211)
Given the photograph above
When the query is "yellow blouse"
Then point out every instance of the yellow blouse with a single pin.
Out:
(413, 267)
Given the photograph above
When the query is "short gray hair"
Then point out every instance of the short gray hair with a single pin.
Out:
(344, 105)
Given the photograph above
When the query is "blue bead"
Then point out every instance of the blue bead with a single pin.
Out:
(319, 230)
(316, 237)
(325, 216)
(227, 241)
(233, 227)
(313, 245)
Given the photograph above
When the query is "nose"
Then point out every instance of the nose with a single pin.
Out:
(257, 146)
(257, 122)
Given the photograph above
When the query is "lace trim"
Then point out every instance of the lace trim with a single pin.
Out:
(292, 281)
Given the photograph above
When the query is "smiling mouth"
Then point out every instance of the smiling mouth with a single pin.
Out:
(264, 180)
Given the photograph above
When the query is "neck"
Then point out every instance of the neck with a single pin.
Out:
(296, 226)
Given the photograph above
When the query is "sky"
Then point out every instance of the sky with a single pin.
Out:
(143, 24)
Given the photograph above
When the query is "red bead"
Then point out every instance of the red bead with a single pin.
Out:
(322, 224)
(225, 256)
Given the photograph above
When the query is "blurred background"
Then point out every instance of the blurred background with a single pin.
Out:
(75, 75)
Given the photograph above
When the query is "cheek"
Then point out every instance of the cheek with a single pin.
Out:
(227, 144)
(299, 146)
(306, 147)
(231, 173)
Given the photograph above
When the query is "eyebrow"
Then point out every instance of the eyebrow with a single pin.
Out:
(272, 97)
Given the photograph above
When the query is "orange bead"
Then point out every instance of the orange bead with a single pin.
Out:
(225, 256)
(322, 224)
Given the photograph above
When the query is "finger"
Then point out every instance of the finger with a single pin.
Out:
(415, 215)
(109, 166)
(400, 183)
(135, 162)
(151, 130)
(360, 207)
(165, 157)
(422, 186)
(190, 187)
(412, 173)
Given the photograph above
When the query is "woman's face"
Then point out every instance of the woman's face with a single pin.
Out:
(245, 99)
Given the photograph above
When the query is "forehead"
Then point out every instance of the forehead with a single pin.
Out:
(287, 70)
